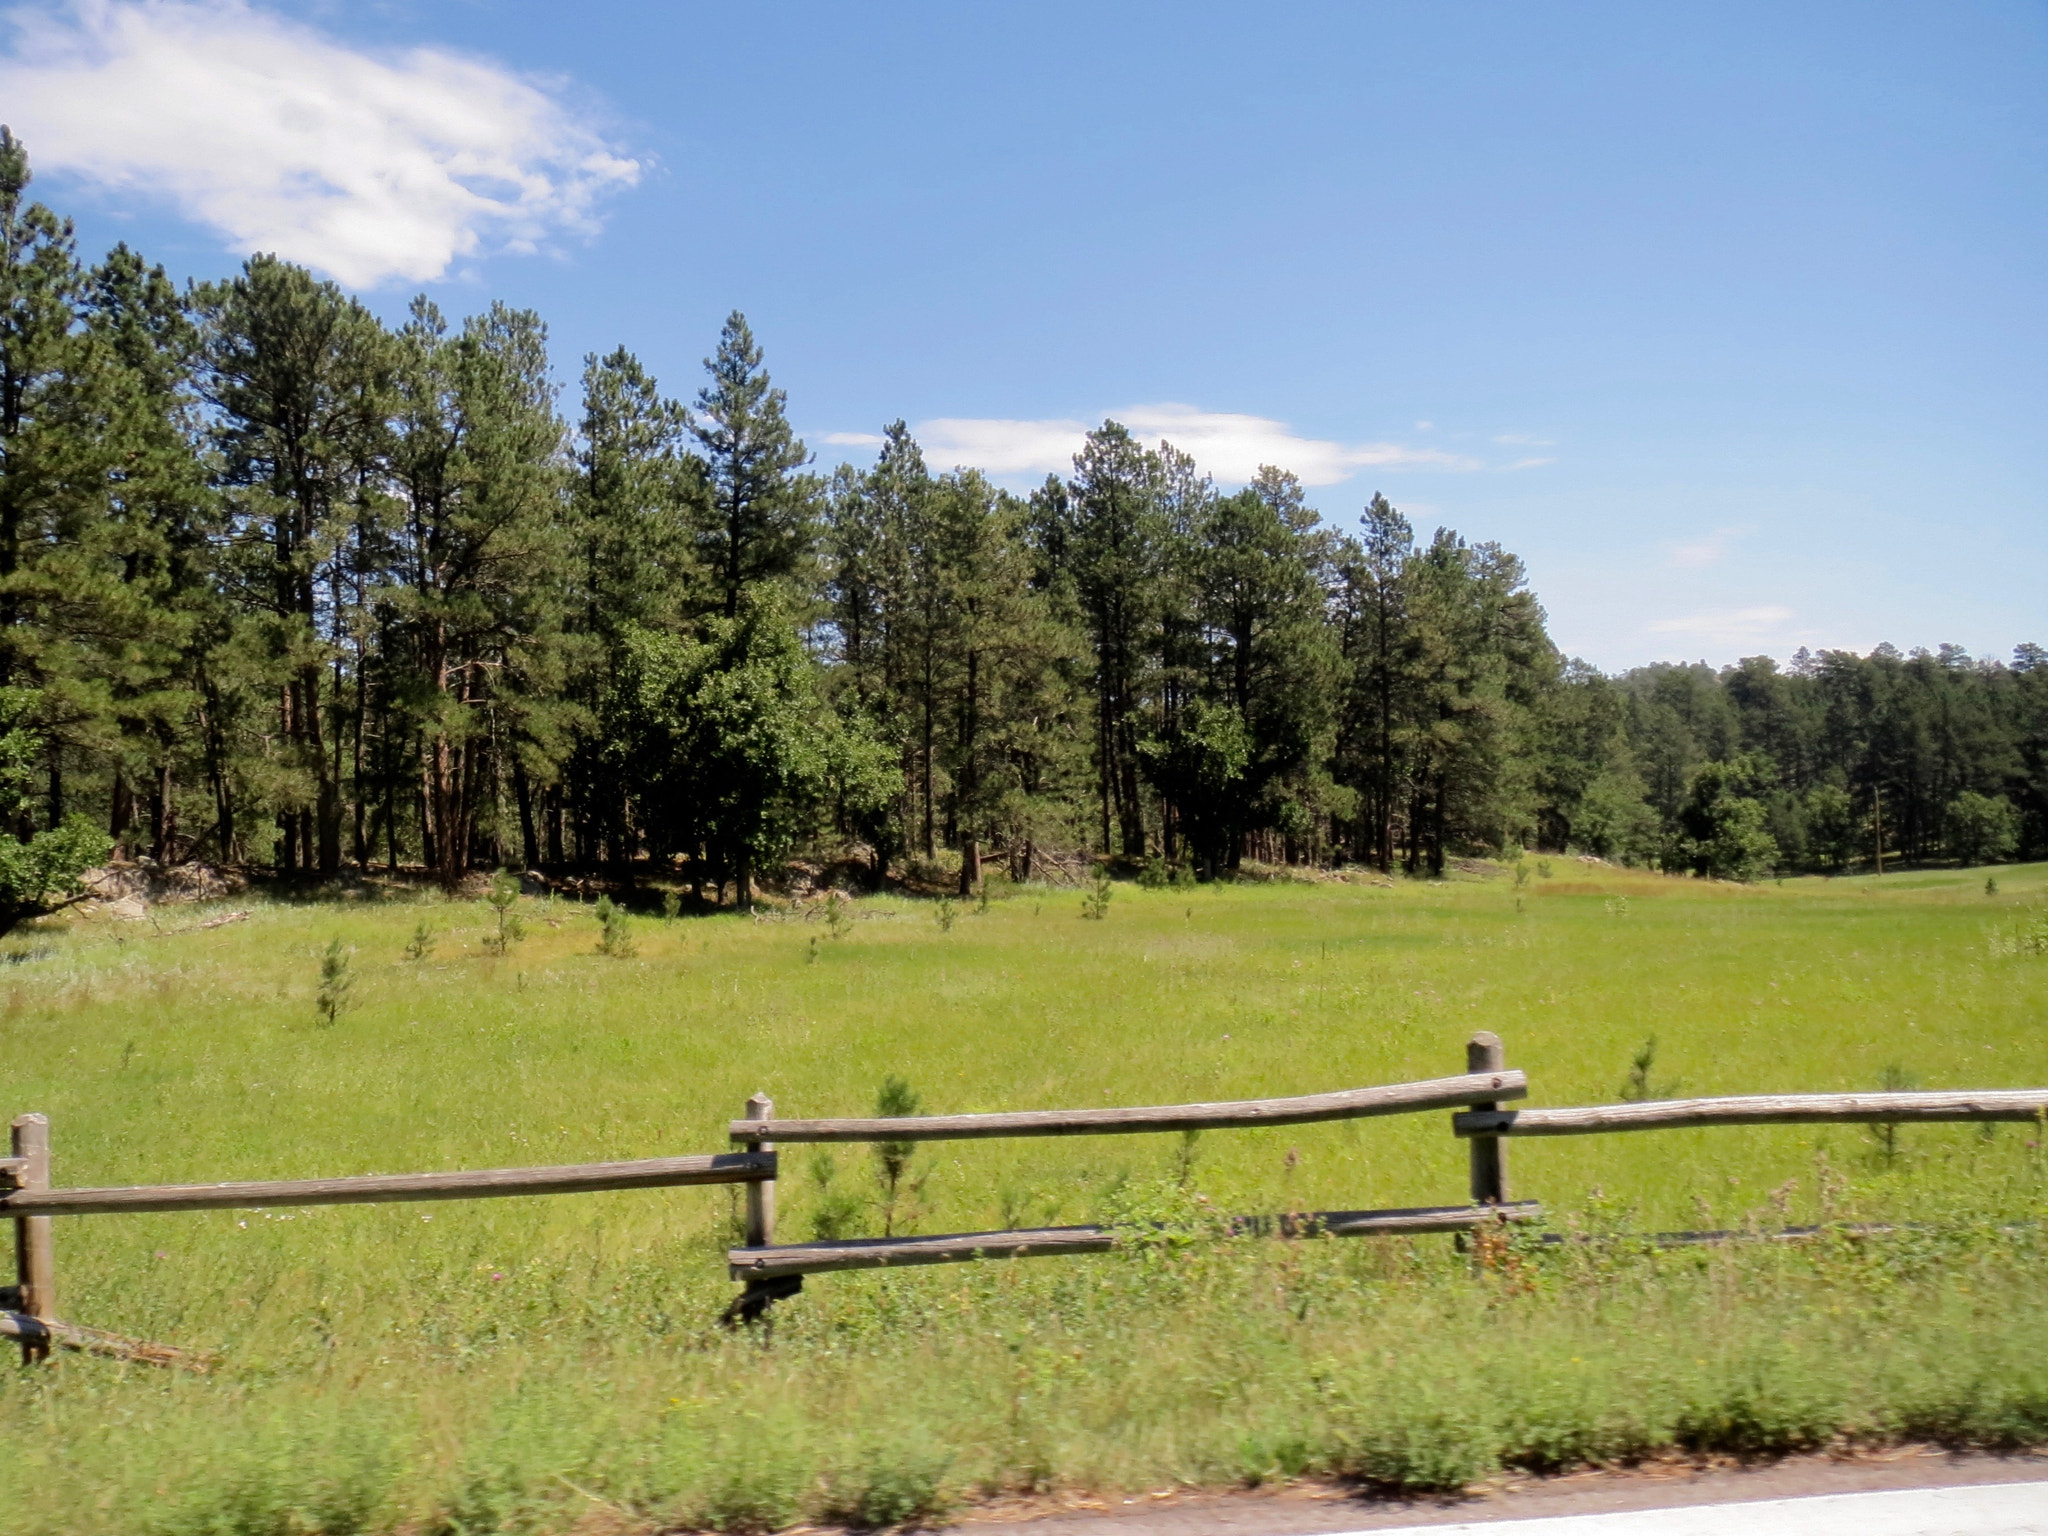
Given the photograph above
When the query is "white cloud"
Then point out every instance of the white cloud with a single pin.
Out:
(1528, 463)
(1696, 553)
(1729, 626)
(1229, 446)
(371, 168)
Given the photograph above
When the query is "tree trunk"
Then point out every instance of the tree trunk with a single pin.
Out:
(529, 838)
(163, 817)
(121, 811)
(970, 865)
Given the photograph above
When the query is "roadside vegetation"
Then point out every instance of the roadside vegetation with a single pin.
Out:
(554, 1365)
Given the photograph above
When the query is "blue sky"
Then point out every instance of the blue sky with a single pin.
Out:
(1730, 320)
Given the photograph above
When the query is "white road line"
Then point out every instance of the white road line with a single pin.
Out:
(1993, 1509)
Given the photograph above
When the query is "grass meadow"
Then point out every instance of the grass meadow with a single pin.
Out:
(541, 1365)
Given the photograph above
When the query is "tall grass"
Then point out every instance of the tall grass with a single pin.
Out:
(525, 1365)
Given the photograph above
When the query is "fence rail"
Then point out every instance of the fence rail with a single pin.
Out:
(1042, 1242)
(1759, 1109)
(383, 1188)
(1238, 1114)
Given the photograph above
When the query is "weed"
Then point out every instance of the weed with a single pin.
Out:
(1543, 869)
(336, 982)
(2029, 937)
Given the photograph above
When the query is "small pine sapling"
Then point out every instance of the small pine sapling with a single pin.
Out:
(421, 945)
(1894, 1079)
(947, 911)
(1639, 1085)
(503, 898)
(613, 938)
(671, 905)
(838, 920)
(894, 1101)
(1990, 885)
(331, 1001)
(1095, 905)
(838, 1210)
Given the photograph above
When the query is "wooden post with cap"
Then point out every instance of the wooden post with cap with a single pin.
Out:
(1485, 1053)
(756, 1295)
(760, 1193)
(35, 1263)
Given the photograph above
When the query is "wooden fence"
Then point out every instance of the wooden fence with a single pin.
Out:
(768, 1270)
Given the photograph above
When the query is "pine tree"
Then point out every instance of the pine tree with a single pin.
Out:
(298, 375)
(1115, 546)
(480, 454)
(759, 514)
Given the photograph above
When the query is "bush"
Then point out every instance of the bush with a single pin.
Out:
(1408, 1443)
(1981, 829)
(885, 1483)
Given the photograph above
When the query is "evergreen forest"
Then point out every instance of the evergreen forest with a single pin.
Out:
(284, 586)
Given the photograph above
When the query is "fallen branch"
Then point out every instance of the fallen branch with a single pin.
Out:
(95, 1341)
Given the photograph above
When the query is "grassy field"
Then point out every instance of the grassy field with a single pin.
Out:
(551, 1364)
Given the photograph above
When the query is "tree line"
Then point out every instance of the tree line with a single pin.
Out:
(283, 585)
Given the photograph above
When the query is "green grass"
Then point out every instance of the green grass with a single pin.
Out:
(528, 1364)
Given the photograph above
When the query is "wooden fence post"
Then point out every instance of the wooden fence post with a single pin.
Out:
(761, 1193)
(35, 1265)
(1485, 1053)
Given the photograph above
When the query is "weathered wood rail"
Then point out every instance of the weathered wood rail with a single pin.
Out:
(385, 1188)
(761, 1263)
(1759, 1109)
(1236, 1114)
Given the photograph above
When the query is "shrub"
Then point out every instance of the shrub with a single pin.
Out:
(887, 1484)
